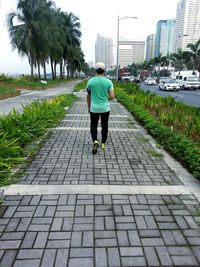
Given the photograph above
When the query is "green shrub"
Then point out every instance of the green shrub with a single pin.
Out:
(17, 130)
(80, 86)
(178, 145)
(6, 78)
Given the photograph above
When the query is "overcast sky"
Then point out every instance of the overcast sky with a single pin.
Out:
(95, 17)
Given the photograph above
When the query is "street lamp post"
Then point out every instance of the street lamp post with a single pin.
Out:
(117, 57)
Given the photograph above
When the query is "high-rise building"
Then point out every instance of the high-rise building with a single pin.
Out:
(91, 64)
(131, 52)
(104, 51)
(165, 31)
(187, 28)
(150, 47)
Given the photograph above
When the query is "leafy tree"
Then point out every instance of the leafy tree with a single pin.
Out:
(194, 54)
(46, 35)
(180, 59)
(27, 35)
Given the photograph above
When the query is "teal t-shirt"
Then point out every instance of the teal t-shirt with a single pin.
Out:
(98, 87)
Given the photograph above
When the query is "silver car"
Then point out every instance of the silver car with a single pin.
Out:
(150, 81)
(169, 85)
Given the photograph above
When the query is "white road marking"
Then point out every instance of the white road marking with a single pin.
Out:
(177, 95)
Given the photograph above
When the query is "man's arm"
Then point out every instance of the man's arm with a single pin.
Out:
(88, 97)
(88, 102)
(111, 94)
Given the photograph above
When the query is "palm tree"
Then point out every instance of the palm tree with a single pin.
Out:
(76, 61)
(44, 34)
(180, 59)
(158, 61)
(71, 27)
(195, 55)
(28, 36)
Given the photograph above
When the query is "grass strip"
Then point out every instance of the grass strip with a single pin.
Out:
(177, 144)
(19, 130)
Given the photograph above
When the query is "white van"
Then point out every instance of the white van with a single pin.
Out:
(187, 80)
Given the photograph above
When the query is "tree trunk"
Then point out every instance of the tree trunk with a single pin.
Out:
(31, 68)
(55, 74)
(61, 70)
(64, 64)
(45, 72)
(52, 70)
(39, 75)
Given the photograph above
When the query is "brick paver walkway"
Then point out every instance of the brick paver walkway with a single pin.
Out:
(83, 228)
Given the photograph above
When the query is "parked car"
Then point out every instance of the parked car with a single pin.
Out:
(169, 85)
(150, 81)
(188, 82)
(161, 79)
(137, 80)
(126, 78)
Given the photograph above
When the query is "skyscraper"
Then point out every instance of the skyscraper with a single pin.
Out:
(187, 28)
(104, 50)
(150, 46)
(165, 37)
(131, 52)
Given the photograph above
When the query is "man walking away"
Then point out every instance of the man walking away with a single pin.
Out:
(100, 92)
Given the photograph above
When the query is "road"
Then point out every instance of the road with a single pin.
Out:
(28, 96)
(187, 96)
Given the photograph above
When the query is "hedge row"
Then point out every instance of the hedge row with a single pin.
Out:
(179, 146)
(19, 130)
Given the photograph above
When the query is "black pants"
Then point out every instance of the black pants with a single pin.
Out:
(94, 119)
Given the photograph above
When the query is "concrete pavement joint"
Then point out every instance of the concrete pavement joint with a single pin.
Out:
(87, 115)
(88, 129)
(125, 122)
(98, 189)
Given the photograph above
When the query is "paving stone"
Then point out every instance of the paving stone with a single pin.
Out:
(164, 256)
(196, 250)
(99, 230)
(151, 256)
(58, 244)
(184, 260)
(131, 251)
(113, 257)
(48, 258)
(122, 238)
(85, 262)
(195, 241)
(10, 244)
(88, 239)
(168, 238)
(30, 254)
(152, 241)
(81, 252)
(29, 240)
(118, 170)
(41, 240)
(25, 263)
(13, 224)
(8, 258)
(57, 224)
(76, 239)
(23, 224)
(1, 254)
(108, 242)
(101, 257)
(133, 261)
(62, 258)
(12, 235)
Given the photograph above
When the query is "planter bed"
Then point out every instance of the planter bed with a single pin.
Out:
(8, 95)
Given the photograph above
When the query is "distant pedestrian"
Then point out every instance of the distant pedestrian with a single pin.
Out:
(100, 92)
